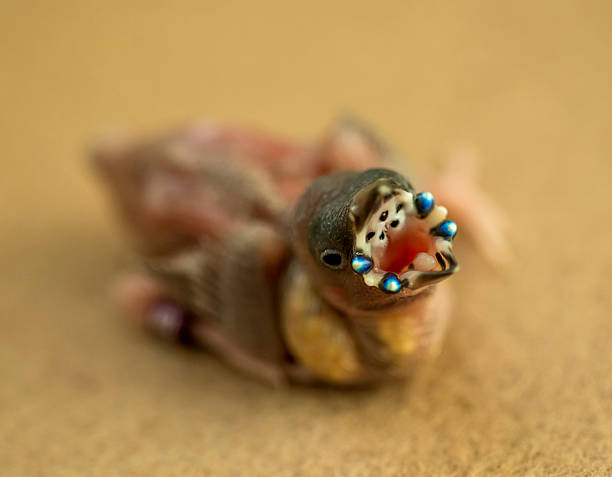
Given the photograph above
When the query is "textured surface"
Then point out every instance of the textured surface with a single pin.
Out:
(524, 386)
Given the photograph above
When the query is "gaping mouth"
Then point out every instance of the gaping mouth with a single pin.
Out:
(403, 241)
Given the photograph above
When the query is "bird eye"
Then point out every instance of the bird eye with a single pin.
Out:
(332, 258)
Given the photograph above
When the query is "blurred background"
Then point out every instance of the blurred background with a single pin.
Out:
(524, 385)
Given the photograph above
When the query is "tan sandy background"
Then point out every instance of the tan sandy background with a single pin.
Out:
(524, 386)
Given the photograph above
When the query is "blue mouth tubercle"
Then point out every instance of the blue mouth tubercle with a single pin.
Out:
(390, 283)
(361, 264)
(424, 203)
(447, 229)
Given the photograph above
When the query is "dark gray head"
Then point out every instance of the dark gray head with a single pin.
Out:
(371, 239)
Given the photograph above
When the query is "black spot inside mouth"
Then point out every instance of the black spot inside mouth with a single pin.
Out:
(395, 223)
(383, 216)
(369, 236)
(441, 261)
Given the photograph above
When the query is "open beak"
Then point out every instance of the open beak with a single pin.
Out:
(402, 240)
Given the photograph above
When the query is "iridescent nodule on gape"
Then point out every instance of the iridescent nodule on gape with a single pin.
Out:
(361, 264)
(447, 229)
(391, 283)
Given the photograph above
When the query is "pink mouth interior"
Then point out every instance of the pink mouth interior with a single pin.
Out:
(403, 247)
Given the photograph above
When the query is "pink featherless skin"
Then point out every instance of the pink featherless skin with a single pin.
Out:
(309, 263)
